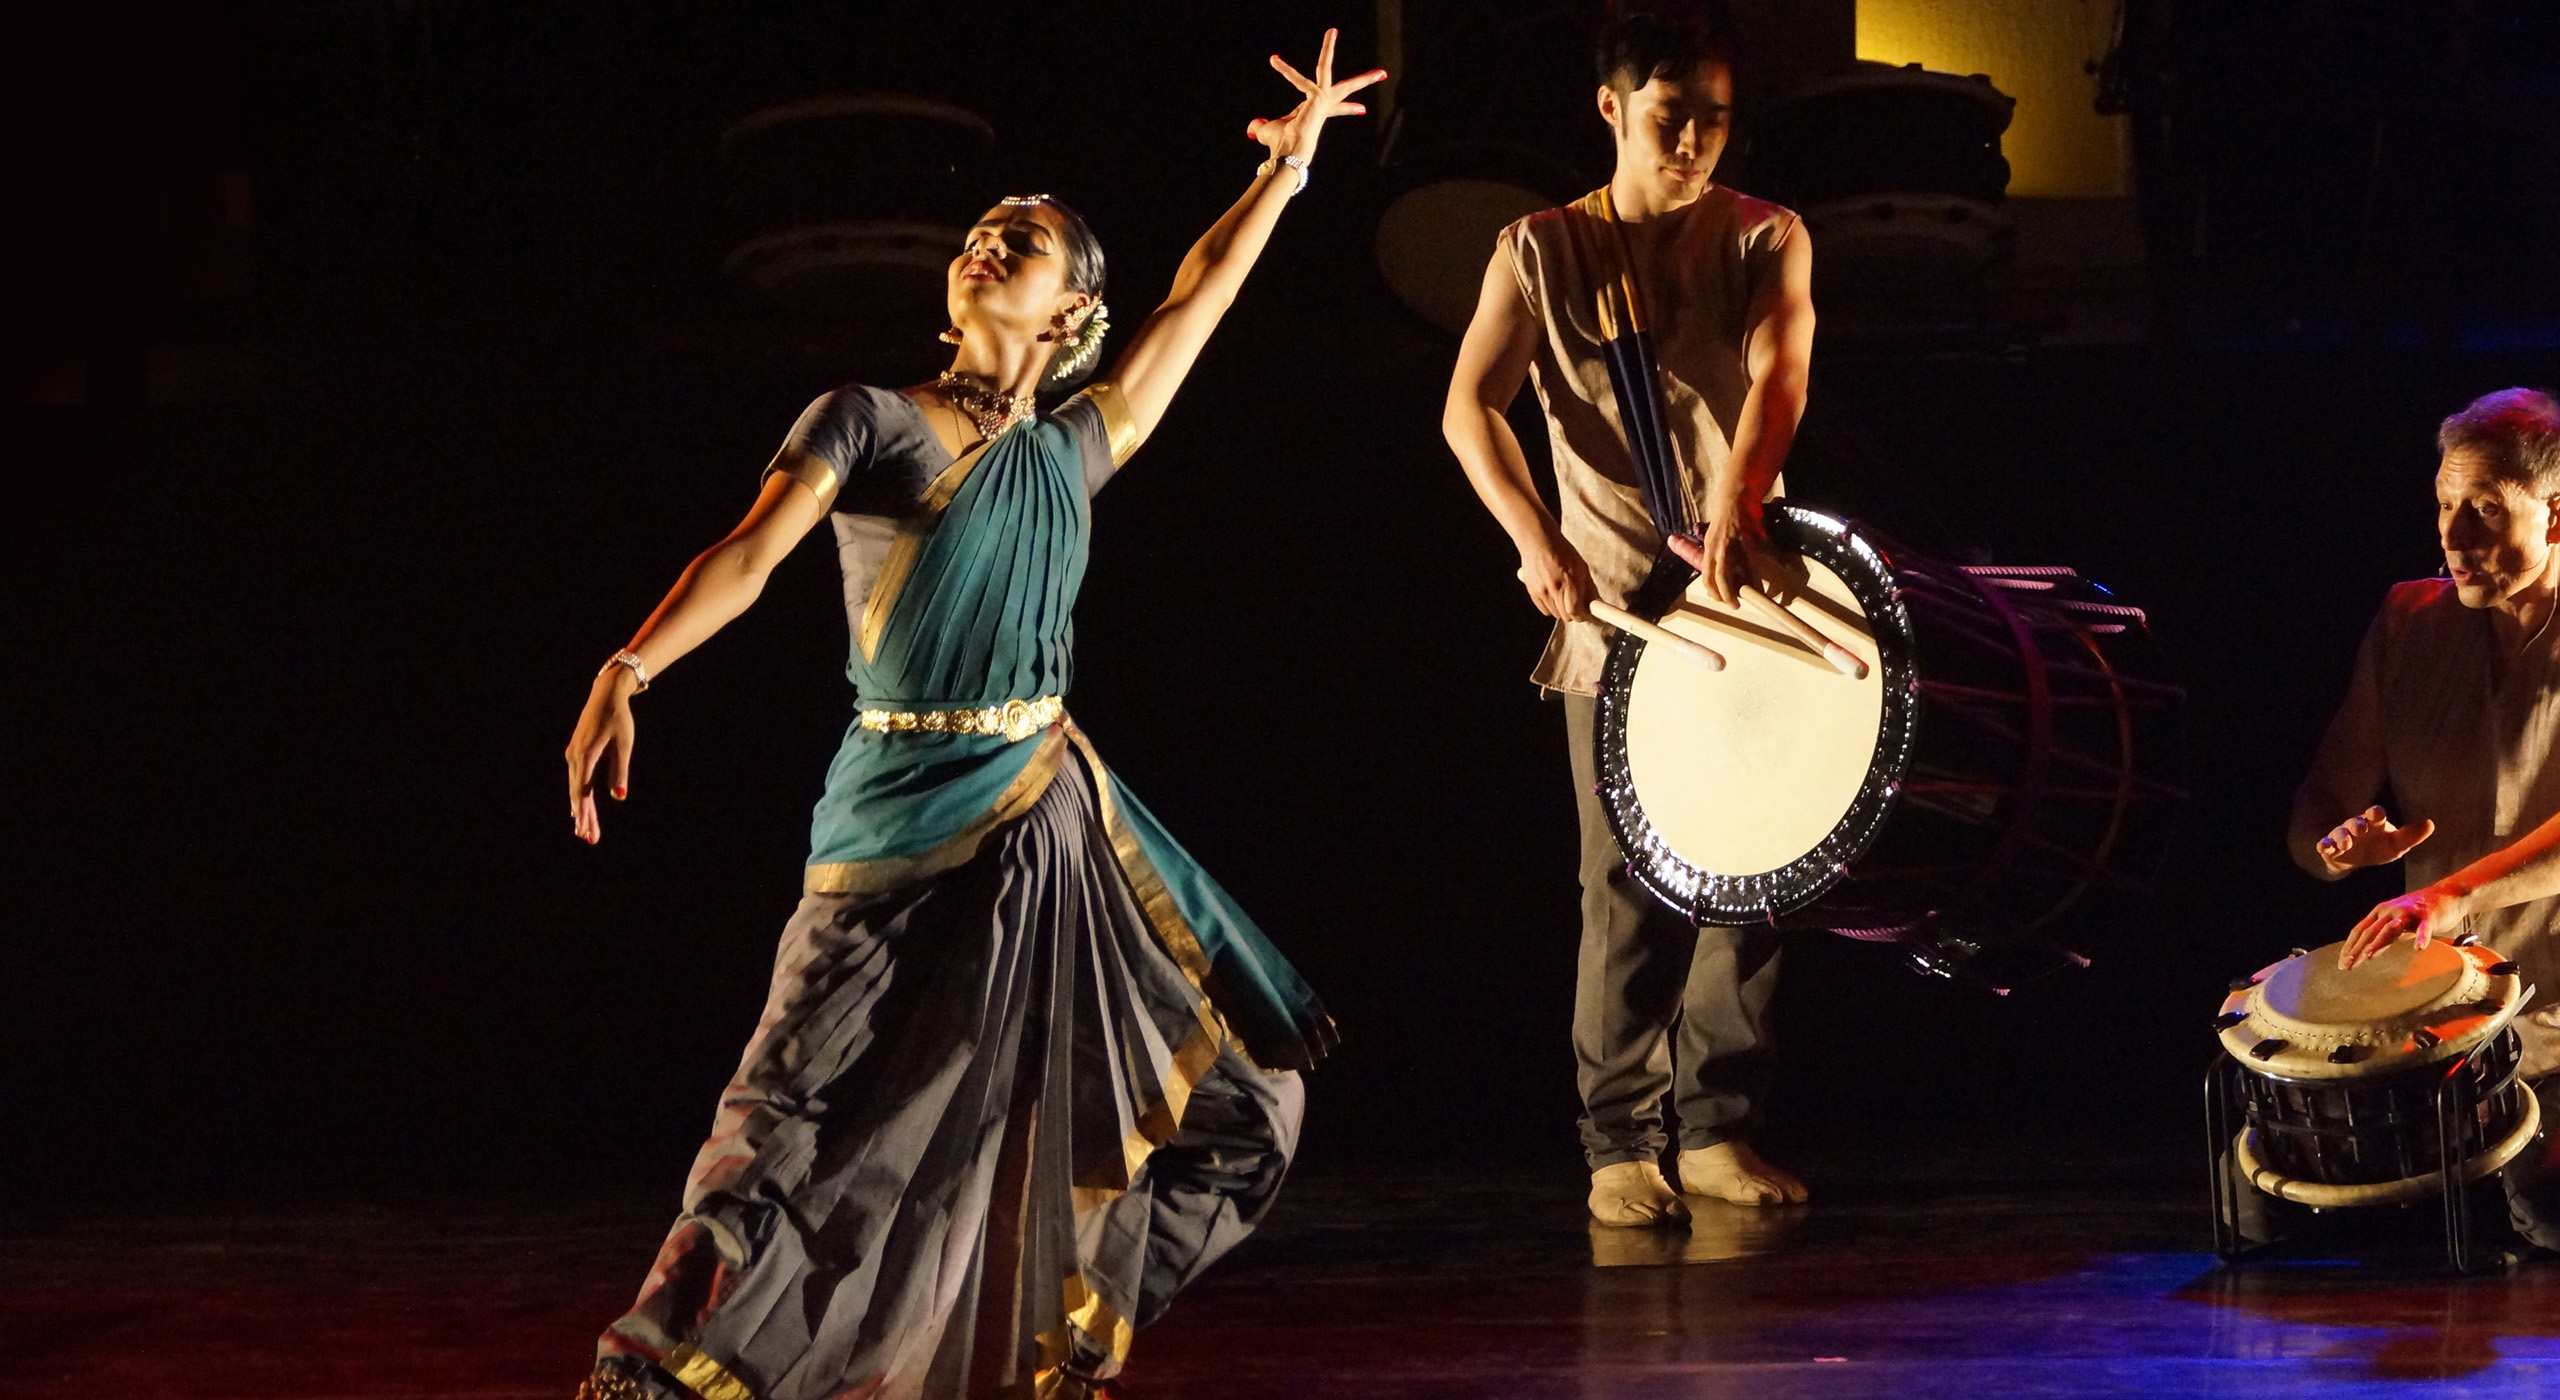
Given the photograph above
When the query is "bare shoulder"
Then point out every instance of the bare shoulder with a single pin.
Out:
(1531, 231)
(1758, 222)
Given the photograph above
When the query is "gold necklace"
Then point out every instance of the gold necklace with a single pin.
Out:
(991, 411)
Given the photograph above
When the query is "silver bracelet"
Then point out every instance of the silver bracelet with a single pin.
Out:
(631, 659)
(1296, 163)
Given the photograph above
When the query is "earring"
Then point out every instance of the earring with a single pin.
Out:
(950, 337)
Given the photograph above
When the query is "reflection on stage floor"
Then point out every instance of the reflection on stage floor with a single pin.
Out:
(1403, 1288)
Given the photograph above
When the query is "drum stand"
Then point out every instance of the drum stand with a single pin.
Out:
(2453, 1100)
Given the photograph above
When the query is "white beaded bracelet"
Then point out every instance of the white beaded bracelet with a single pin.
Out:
(630, 659)
(1296, 163)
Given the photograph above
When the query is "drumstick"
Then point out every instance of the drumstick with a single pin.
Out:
(1626, 621)
(1840, 657)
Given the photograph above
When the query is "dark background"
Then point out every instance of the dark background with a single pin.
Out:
(322, 524)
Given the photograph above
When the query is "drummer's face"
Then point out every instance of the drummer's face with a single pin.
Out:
(2497, 534)
(1671, 133)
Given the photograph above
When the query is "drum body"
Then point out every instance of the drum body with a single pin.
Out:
(2360, 1085)
(2380, 1129)
(2011, 748)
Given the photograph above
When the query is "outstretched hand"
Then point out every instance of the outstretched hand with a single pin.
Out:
(2369, 838)
(1295, 134)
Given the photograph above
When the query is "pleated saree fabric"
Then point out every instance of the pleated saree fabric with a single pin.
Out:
(1025, 1069)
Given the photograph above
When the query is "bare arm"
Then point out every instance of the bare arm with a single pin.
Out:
(724, 581)
(1492, 362)
(1162, 352)
(2525, 871)
(1778, 351)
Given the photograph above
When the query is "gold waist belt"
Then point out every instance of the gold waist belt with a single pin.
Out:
(1014, 719)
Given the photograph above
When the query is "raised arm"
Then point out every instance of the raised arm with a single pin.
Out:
(1162, 351)
(1778, 350)
(721, 583)
(1492, 362)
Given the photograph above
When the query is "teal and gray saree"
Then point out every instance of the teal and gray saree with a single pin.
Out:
(1025, 1069)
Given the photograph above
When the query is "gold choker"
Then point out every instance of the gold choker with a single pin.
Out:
(991, 410)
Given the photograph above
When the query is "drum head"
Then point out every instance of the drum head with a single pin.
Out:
(1744, 770)
(1742, 795)
(2303, 1018)
(2400, 979)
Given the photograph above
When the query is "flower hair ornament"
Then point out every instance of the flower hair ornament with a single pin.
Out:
(1083, 345)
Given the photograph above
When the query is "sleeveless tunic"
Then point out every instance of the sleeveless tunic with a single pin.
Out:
(1720, 253)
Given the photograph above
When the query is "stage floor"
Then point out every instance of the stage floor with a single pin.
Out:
(1394, 1288)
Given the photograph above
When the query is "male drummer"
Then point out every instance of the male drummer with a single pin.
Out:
(1659, 1007)
(2454, 706)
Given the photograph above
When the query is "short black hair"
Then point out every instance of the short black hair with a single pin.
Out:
(1642, 40)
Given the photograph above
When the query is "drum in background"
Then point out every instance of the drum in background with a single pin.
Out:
(1881, 129)
(1444, 211)
(846, 210)
(2009, 749)
(2345, 1072)
(1899, 174)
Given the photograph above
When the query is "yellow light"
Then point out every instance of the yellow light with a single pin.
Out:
(2037, 51)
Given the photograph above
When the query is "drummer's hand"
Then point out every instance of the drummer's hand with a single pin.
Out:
(1558, 580)
(2369, 838)
(2422, 915)
(1735, 541)
(605, 725)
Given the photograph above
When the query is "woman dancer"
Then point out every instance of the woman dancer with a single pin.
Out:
(1025, 1070)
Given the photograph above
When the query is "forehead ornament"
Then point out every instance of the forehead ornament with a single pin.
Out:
(1023, 201)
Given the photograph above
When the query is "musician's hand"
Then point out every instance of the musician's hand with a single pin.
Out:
(2423, 914)
(2369, 838)
(1737, 542)
(605, 724)
(1295, 134)
(1558, 580)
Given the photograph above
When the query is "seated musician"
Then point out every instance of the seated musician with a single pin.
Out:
(2454, 707)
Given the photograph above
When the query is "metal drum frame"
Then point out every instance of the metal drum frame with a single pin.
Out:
(2007, 778)
(2457, 1099)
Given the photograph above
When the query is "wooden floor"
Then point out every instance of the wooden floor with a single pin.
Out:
(1398, 1289)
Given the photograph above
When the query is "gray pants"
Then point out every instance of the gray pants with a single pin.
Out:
(919, 1183)
(1659, 1007)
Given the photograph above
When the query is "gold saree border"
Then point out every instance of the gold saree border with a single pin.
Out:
(704, 1376)
(1118, 423)
(1095, 1318)
(913, 531)
(897, 872)
(1087, 1313)
(809, 469)
(1157, 1122)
